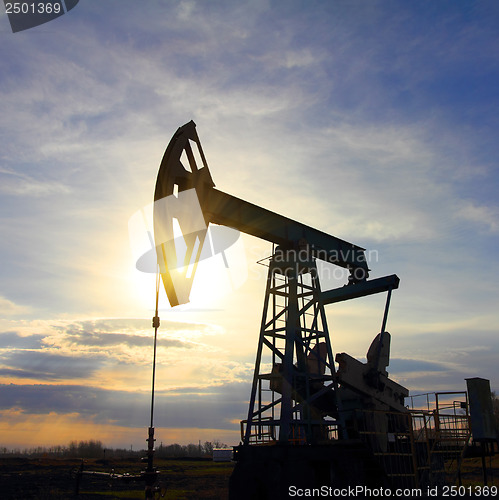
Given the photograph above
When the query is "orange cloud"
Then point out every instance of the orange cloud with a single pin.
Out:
(20, 431)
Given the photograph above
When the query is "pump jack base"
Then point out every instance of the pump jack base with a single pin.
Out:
(277, 471)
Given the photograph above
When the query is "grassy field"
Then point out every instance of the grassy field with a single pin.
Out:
(44, 479)
(472, 471)
(54, 479)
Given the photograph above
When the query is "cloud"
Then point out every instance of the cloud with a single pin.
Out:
(484, 216)
(109, 339)
(9, 308)
(20, 184)
(73, 336)
(128, 332)
(399, 365)
(118, 353)
(14, 340)
(214, 410)
(14, 374)
(438, 361)
(49, 366)
(21, 430)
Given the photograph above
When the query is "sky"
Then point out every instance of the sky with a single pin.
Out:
(374, 121)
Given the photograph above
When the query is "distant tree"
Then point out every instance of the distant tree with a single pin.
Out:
(73, 449)
(208, 448)
(218, 444)
(86, 449)
(174, 450)
(193, 450)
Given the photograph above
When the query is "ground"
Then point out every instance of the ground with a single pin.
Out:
(51, 479)
(182, 479)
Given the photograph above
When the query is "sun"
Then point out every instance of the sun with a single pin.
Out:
(223, 268)
(220, 269)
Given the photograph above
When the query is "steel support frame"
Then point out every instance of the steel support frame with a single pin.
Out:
(292, 327)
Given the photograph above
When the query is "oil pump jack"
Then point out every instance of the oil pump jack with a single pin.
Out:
(304, 415)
